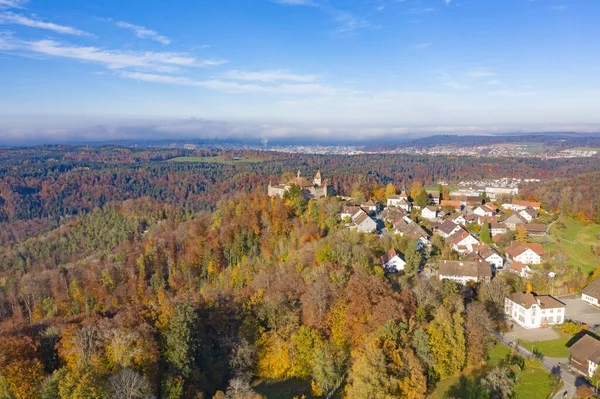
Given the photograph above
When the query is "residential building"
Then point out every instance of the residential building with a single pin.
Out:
(535, 229)
(348, 211)
(533, 311)
(462, 242)
(512, 221)
(529, 254)
(457, 205)
(447, 228)
(528, 214)
(485, 210)
(585, 355)
(363, 223)
(434, 196)
(495, 192)
(392, 214)
(429, 212)
(591, 292)
(318, 188)
(518, 205)
(464, 271)
(520, 269)
(371, 207)
(393, 261)
(497, 228)
(459, 219)
(490, 255)
(400, 201)
(407, 227)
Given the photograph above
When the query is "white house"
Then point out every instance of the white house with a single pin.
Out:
(459, 219)
(371, 207)
(363, 223)
(448, 228)
(393, 261)
(520, 269)
(463, 242)
(491, 256)
(528, 214)
(529, 254)
(591, 292)
(429, 212)
(348, 211)
(485, 210)
(518, 205)
(464, 271)
(533, 311)
(497, 228)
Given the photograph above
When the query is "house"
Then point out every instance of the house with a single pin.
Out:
(512, 221)
(518, 205)
(452, 203)
(399, 201)
(520, 269)
(460, 219)
(533, 311)
(318, 188)
(393, 261)
(497, 228)
(485, 210)
(585, 355)
(464, 271)
(529, 254)
(363, 223)
(392, 214)
(462, 242)
(535, 229)
(406, 227)
(429, 212)
(490, 255)
(371, 207)
(528, 214)
(348, 211)
(434, 196)
(448, 228)
(591, 292)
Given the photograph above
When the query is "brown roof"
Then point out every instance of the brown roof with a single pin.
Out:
(361, 218)
(455, 204)
(527, 299)
(518, 248)
(433, 193)
(447, 226)
(474, 257)
(586, 348)
(498, 225)
(389, 255)
(535, 227)
(465, 268)
(458, 236)
(410, 229)
(512, 218)
(351, 209)
(531, 212)
(517, 266)
(592, 289)
(526, 203)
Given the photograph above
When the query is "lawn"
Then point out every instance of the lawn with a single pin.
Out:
(530, 383)
(553, 348)
(576, 240)
(217, 159)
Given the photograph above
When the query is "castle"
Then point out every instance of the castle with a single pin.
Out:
(317, 189)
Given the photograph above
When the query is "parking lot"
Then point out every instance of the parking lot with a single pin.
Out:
(577, 310)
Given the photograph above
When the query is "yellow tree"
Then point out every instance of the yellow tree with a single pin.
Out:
(521, 234)
(390, 190)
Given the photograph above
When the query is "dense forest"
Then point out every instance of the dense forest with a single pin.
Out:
(124, 275)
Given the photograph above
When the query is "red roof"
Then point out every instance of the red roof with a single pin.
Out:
(517, 267)
(518, 248)
(454, 203)
(526, 203)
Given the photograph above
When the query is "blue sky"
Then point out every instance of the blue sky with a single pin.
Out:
(270, 68)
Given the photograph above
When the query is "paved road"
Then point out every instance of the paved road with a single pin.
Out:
(580, 311)
(553, 365)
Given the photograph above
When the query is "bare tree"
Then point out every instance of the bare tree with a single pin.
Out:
(129, 384)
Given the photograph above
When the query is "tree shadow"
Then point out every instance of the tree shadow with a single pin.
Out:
(468, 388)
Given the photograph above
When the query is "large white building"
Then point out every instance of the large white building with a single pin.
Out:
(464, 271)
(591, 292)
(529, 254)
(533, 311)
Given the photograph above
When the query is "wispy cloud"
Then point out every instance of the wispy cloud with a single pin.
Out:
(513, 93)
(421, 46)
(234, 87)
(492, 82)
(143, 32)
(562, 7)
(453, 84)
(13, 3)
(112, 59)
(12, 18)
(268, 76)
(349, 22)
(480, 73)
(295, 2)
(448, 2)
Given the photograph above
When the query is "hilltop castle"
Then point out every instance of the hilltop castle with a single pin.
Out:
(318, 188)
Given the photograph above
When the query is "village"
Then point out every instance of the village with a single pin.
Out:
(489, 232)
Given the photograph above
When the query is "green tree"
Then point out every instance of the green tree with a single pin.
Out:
(499, 383)
(294, 197)
(413, 258)
(598, 213)
(485, 233)
(447, 341)
(179, 339)
(304, 342)
(422, 198)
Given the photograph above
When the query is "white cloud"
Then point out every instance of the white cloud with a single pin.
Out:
(448, 2)
(492, 82)
(294, 2)
(11, 18)
(268, 76)
(513, 93)
(456, 85)
(559, 8)
(234, 87)
(421, 46)
(143, 32)
(12, 3)
(349, 22)
(480, 73)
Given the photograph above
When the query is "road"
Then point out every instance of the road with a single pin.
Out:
(553, 365)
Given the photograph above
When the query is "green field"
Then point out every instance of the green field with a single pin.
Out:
(530, 383)
(217, 159)
(537, 148)
(576, 240)
(554, 348)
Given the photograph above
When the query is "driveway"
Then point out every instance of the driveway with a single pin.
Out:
(532, 334)
(577, 310)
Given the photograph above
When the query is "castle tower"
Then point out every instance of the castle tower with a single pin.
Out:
(317, 181)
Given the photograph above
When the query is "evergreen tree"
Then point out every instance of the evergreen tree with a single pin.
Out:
(485, 233)
(422, 198)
